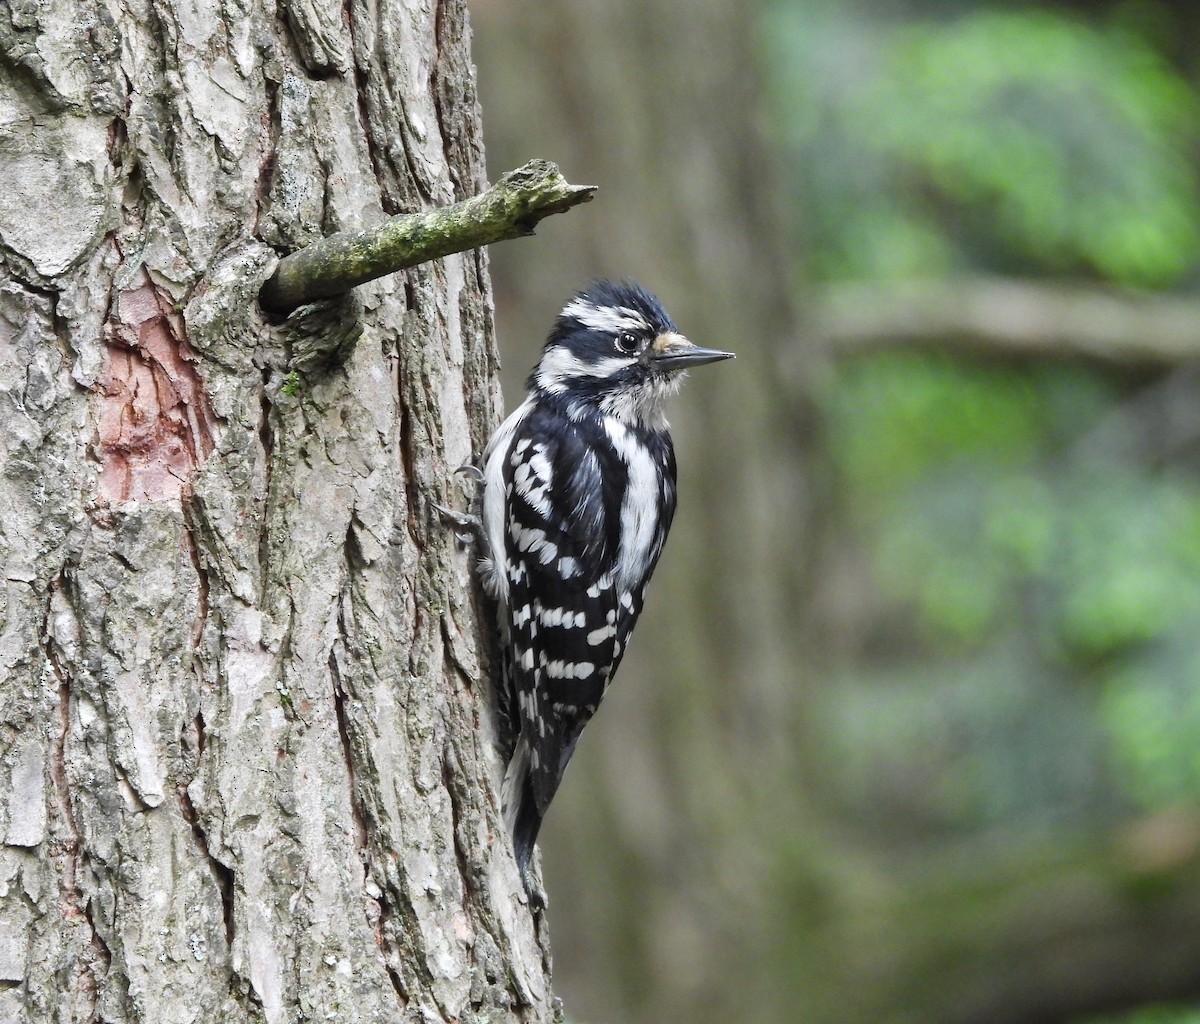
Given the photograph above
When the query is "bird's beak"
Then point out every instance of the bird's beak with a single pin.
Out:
(672, 351)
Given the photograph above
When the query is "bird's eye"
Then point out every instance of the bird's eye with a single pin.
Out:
(627, 342)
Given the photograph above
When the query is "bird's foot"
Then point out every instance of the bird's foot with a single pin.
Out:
(467, 525)
(471, 481)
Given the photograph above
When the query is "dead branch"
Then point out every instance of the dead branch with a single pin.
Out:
(509, 209)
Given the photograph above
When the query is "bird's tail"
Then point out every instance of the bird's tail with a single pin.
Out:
(521, 815)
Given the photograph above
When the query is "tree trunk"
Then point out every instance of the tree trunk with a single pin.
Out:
(246, 743)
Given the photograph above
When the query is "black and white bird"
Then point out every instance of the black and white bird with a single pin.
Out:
(578, 495)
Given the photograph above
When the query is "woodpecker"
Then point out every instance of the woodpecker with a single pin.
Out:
(578, 496)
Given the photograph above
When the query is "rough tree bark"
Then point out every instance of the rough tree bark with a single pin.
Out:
(246, 768)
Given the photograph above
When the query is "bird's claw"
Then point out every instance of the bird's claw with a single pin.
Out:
(471, 480)
(463, 520)
(467, 527)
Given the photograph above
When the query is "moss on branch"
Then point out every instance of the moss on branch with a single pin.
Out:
(509, 209)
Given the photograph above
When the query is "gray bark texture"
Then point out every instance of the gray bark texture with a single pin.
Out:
(247, 768)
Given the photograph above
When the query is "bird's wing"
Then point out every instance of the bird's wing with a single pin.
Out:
(566, 616)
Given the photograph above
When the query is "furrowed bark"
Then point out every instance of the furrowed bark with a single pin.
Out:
(247, 770)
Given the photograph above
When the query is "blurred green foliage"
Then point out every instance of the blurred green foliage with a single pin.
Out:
(1001, 139)
(1033, 548)
(979, 488)
(1045, 589)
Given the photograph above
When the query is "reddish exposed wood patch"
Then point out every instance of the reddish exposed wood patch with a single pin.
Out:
(155, 423)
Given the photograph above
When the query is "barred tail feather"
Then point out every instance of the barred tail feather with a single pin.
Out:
(521, 815)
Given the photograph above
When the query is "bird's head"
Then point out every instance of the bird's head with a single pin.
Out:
(614, 348)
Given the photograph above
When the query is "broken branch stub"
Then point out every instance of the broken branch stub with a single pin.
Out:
(509, 209)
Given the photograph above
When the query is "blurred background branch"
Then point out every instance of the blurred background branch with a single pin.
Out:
(1006, 318)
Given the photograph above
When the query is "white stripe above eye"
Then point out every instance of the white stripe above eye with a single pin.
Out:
(605, 318)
